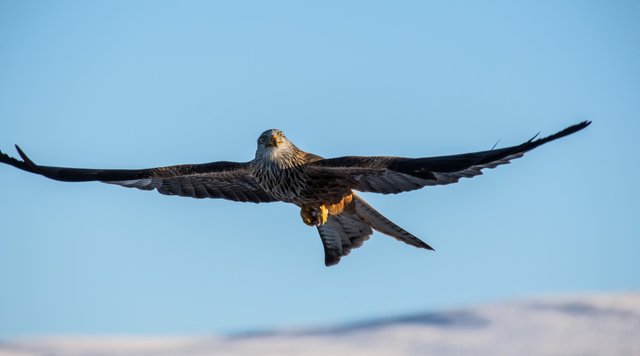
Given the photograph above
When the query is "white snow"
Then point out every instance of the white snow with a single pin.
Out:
(583, 325)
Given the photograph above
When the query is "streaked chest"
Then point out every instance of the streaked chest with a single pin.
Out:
(284, 184)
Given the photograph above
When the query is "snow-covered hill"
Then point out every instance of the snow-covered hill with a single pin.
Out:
(587, 325)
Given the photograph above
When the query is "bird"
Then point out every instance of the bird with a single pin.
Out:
(323, 189)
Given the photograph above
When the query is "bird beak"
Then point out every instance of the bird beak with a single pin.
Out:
(273, 141)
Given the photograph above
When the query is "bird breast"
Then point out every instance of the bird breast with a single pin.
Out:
(285, 184)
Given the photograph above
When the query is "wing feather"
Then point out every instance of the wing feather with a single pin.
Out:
(390, 175)
(227, 180)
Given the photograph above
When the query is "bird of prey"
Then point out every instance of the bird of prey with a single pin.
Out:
(322, 188)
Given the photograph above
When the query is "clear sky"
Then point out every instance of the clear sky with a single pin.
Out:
(133, 84)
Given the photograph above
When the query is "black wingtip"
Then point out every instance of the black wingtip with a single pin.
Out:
(25, 165)
(569, 130)
(5, 158)
(533, 143)
(23, 155)
(27, 161)
(534, 137)
(577, 127)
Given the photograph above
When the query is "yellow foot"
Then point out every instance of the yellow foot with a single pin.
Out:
(314, 217)
(322, 215)
(307, 216)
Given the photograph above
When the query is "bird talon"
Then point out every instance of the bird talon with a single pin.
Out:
(314, 216)
(323, 216)
(308, 216)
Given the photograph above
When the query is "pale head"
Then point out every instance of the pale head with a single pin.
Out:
(273, 143)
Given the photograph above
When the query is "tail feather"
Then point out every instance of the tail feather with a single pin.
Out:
(353, 226)
(380, 223)
(340, 234)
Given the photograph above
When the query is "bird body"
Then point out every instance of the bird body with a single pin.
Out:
(280, 169)
(322, 188)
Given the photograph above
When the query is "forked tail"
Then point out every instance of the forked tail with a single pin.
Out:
(380, 223)
(353, 226)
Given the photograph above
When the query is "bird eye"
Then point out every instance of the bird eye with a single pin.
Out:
(261, 139)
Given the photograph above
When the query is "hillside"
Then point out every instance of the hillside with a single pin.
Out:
(585, 325)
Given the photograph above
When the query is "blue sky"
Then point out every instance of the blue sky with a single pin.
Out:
(132, 84)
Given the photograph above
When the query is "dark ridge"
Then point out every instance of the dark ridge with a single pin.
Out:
(452, 319)
(584, 309)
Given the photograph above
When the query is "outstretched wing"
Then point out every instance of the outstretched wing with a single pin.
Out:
(227, 180)
(388, 175)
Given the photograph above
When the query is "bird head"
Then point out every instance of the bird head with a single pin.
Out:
(271, 139)
(272, 143)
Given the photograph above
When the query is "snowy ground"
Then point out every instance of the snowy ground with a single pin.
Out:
(587, 325)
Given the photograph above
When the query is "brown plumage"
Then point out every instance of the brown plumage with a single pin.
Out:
(322, 188)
